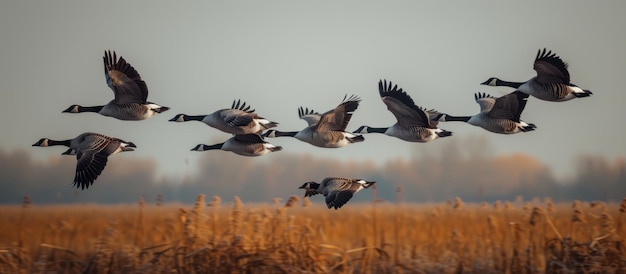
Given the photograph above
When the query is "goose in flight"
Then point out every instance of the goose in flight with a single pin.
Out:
(242, 144)
(338, 191)
(92, 151)
(552, 82)
(413, 123)
(131, 93)
(327, 130)
(498, 115)
(238, 119)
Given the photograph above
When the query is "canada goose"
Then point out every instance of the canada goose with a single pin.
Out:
(552, 82)
(413, 122)
(92, 151)
(242, 144)
(238, 119)
(326, 130)
(499, 115)
(131, 93)
(338, 191)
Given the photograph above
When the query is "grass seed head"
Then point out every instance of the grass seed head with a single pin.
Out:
(578, 215)
(292, 201)
(458, 203)
(607, 223)
(306, 202)
(536, 216)
(497, 205)
(215, 203)
(508, 205)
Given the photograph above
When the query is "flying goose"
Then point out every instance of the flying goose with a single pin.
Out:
(499, 115)
(326, 130)
(552, 82)
(242, 144)
(338, 191)
(238, 119)
(413, 122)
(92, 151)
(131, 93)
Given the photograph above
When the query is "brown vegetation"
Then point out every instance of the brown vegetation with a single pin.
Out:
(211, 237)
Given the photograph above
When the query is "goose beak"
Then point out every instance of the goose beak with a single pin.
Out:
(38, 143)
(178, 118)
(71, 109)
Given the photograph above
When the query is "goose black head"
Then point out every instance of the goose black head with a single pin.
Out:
(43, 142)
(311, 188)
(491, 82)
(306, 185)
(178, 118)
(269, 134)
(72, 109)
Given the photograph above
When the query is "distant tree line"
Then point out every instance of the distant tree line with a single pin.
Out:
(471, 173)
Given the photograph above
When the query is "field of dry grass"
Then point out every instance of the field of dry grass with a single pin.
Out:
(303, 236)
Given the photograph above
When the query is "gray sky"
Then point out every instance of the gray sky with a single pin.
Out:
(279, 55)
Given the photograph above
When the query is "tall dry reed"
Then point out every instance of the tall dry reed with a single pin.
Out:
(381, 237)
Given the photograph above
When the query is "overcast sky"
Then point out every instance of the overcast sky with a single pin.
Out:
(279, 55)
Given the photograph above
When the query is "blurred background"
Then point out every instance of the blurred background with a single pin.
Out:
(279, 55)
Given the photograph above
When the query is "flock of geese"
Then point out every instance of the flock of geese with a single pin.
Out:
(328, 130)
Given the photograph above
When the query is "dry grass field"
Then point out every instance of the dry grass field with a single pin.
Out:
(302, 236)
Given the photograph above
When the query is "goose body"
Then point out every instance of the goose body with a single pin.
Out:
(498, 115)
(131, 93)
(239, 119)
(413, 123)
(552, 82)
(327, 130)
(92, 151)
(242, 144)
(338, 191)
